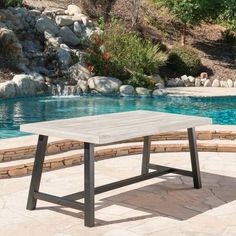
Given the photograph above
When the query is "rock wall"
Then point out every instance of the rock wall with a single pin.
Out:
(47, 46)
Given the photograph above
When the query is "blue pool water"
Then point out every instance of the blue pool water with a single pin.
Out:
(15, 112)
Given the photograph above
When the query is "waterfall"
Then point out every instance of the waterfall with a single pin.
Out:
(65, 90)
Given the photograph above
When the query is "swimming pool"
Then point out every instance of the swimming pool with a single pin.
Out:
(14, 112)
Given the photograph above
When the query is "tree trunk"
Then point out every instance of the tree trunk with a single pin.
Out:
(183, 35)
(135, 12)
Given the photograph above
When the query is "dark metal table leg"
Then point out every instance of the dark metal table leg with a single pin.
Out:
(37, 171)
(194, 158)
(89, 184)
(146, 154)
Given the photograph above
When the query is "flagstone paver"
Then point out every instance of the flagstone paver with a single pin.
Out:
(163, 206)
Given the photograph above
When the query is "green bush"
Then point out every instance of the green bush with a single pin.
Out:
(124, 54)
(185, 60)
(13, 3)
(138, 80)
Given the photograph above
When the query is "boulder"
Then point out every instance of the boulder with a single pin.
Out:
(73, 10)
(127, 90)
(64, 56)
(224, 84)
(85, 20)
(191, 79)
(197, 82)
(77, 28)
(26, 85)
(207, 83)
(37, 77)
(216, 83)
(52, 39)
(160, 86)
(203, 81)
(230, 83)
(83, 85)
(104, 85)
(184, 77)
(79, 72)
(180, 83)
(34, 13)
(188, 80)
(68, 36)
(7, 89)
(45, 23)
(9, 43)
(143, 91)
(172, 83)
(63, 20)
(159, 92)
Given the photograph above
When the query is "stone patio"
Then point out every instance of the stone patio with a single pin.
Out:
(201, 91)
(163, 206)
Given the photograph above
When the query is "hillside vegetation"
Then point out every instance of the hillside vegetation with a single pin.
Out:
(206, 27)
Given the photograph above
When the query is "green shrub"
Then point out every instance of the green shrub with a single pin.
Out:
(185, 60)
(124, 54)
(13, 3)
(228, 16)
(138, 80)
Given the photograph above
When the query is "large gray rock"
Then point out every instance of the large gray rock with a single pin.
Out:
(207, 83)
(68, 36)
(52, 13)
(78, 29)
(188, 80)
(143, 91)
(73, 10)
(216, 83)
(83, 85)
(45, 23)
(79, 72)
(159, 92)
(127, 90)
(52, 39)
(63, 20)
(197, 82)
(160, 86)
(104, 85)
(9, 43)
(230, 83)
(64, 56)
(172, 83)
(26, 85)
(180, 83)
(37, 77)
(224, 84)
(7, 89)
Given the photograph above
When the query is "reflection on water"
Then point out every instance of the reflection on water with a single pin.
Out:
(14, 112)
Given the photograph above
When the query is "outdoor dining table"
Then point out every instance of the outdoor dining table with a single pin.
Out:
(108, 129)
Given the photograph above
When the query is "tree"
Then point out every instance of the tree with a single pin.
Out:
(228, 17)
(135, 11)
(192, 12)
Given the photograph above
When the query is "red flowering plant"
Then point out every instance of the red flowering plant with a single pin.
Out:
(98, 60)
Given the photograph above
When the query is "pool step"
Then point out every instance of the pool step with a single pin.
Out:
(24, 167)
